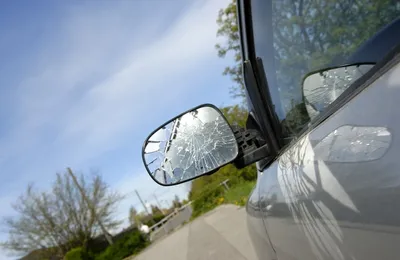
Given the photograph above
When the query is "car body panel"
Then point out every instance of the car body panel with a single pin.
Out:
(256, 227)
(322, 205)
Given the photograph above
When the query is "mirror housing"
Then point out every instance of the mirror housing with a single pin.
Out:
(192, 144)
(320, 88)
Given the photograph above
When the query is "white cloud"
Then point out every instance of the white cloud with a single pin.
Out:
(113, 107)
(93, 90)
(92, 98)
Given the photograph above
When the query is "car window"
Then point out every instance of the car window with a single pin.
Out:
(294, 38)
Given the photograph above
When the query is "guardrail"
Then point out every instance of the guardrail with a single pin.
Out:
(177, 218)
(171, 222)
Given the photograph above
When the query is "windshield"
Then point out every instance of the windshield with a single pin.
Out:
(294, 38)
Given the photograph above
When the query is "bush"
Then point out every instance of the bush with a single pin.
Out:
(206, 201)
(155, 218)
(158, 217)
(77, 254)
(131, 243)
(248, 173)
(207, 192)
(149, 223)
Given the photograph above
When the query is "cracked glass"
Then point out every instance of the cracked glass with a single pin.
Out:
(354, 144)
(322, 88)
(191, 145)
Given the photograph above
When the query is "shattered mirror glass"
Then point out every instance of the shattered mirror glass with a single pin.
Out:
(320, 89)
(189, 146)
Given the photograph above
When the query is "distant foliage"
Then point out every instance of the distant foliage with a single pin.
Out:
(236, 115)
(229, 30)
(61, 219)
(133, 216)
(155, 210)
(77, 254)
(307, 36)
(158, 217)
(176, 203)
(132, 243)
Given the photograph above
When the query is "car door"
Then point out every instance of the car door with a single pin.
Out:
(332, 191)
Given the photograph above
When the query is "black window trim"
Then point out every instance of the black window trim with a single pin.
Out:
(255, 86)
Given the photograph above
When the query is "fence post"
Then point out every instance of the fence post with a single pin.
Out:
(225, 184)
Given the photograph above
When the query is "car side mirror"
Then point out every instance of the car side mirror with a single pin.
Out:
(194, 143)
(320, 88)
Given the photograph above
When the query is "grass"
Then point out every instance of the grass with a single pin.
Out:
(238, 194)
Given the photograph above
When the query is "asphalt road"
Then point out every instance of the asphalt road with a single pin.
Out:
(220, 234)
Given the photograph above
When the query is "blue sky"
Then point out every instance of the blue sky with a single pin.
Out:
(82, 83)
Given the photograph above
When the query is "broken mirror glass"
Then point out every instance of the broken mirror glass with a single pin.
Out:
(320, 89)
(193, 144)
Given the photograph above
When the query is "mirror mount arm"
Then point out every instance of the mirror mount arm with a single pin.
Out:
(252, 147)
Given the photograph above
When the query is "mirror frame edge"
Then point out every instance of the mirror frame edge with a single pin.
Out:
(169, 121)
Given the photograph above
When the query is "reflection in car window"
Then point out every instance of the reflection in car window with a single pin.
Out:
(320, 89)
(294, 38)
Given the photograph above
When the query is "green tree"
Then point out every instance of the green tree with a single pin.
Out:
(134, 218)
(176, 203)
(156, 210)
(307, 35)
(236, 115)
(229, 31)
(312, 35)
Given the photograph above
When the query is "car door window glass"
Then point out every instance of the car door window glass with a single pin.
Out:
(294, 38)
